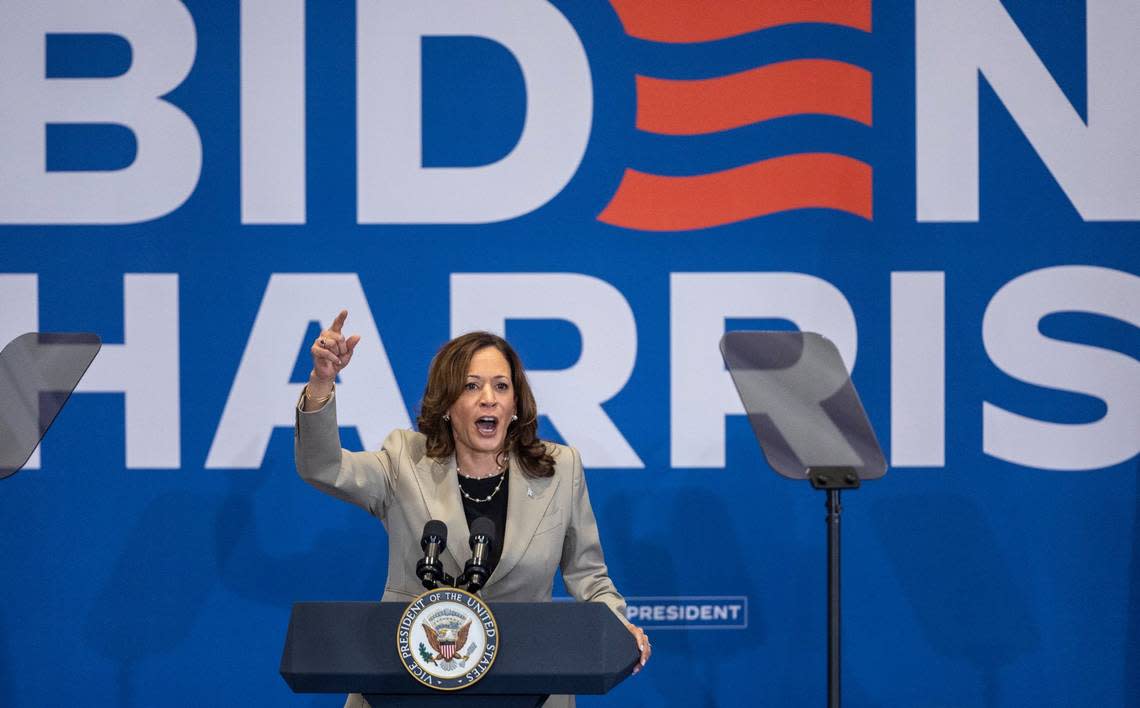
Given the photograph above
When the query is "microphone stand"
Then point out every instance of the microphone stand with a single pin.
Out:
(483, 538)
(429, 569)
(432, 575)
(474, 577)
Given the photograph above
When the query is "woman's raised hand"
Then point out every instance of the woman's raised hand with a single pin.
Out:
(331, 353)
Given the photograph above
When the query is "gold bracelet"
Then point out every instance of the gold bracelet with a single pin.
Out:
(318, 401)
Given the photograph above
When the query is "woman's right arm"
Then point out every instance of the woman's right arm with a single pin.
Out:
(365, 479)
(362, 478)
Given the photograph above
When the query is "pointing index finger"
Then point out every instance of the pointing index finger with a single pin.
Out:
(339, 321)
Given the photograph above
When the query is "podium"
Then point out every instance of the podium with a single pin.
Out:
(545, 648)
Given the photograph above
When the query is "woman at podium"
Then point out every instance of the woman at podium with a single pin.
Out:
(476, 454)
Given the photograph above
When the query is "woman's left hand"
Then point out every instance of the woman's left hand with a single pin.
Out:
(643, 645)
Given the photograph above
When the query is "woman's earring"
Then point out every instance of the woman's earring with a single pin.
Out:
(514, 418)
(446, 417)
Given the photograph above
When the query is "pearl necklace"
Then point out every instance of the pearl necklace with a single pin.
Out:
(490, 496)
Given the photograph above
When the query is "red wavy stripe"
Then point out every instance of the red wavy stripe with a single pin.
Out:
(820, 86)
(808, 180)
(707, 20)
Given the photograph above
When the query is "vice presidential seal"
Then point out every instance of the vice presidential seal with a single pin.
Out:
(447, 639)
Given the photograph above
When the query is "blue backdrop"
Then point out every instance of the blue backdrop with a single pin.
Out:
(948, 190)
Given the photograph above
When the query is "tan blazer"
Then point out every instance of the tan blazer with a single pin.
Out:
(550, 524)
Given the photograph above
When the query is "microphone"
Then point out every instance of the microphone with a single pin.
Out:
(483, 537)
(434, 542)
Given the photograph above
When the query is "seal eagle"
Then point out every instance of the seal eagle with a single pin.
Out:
(446, 641)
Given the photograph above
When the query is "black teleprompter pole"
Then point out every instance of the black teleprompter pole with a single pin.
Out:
(833, 643)
(832, 480)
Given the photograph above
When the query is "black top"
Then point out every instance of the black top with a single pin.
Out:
(495, 509)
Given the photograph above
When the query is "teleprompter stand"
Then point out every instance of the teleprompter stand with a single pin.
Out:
(38, 372)
(810, 423)
(545, 648)
(832, 480)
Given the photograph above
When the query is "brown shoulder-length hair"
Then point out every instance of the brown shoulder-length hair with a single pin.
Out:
(446, 378)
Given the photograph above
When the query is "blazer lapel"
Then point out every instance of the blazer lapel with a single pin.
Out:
(440, 489)
(526, 505)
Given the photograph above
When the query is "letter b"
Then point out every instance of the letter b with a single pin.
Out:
(169, 156)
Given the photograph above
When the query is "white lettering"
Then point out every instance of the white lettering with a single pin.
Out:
(262, 397)
(169, 154)
(702, 391)
(918, 369)
(1097, 165)
(19, 293)
(145, 368)
(273, 112)
(393, 186)
(1017, 347)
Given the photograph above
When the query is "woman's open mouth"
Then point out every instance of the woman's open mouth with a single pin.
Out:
(487, 425)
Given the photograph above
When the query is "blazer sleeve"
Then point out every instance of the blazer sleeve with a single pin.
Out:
(365, 479)
(583, 564)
